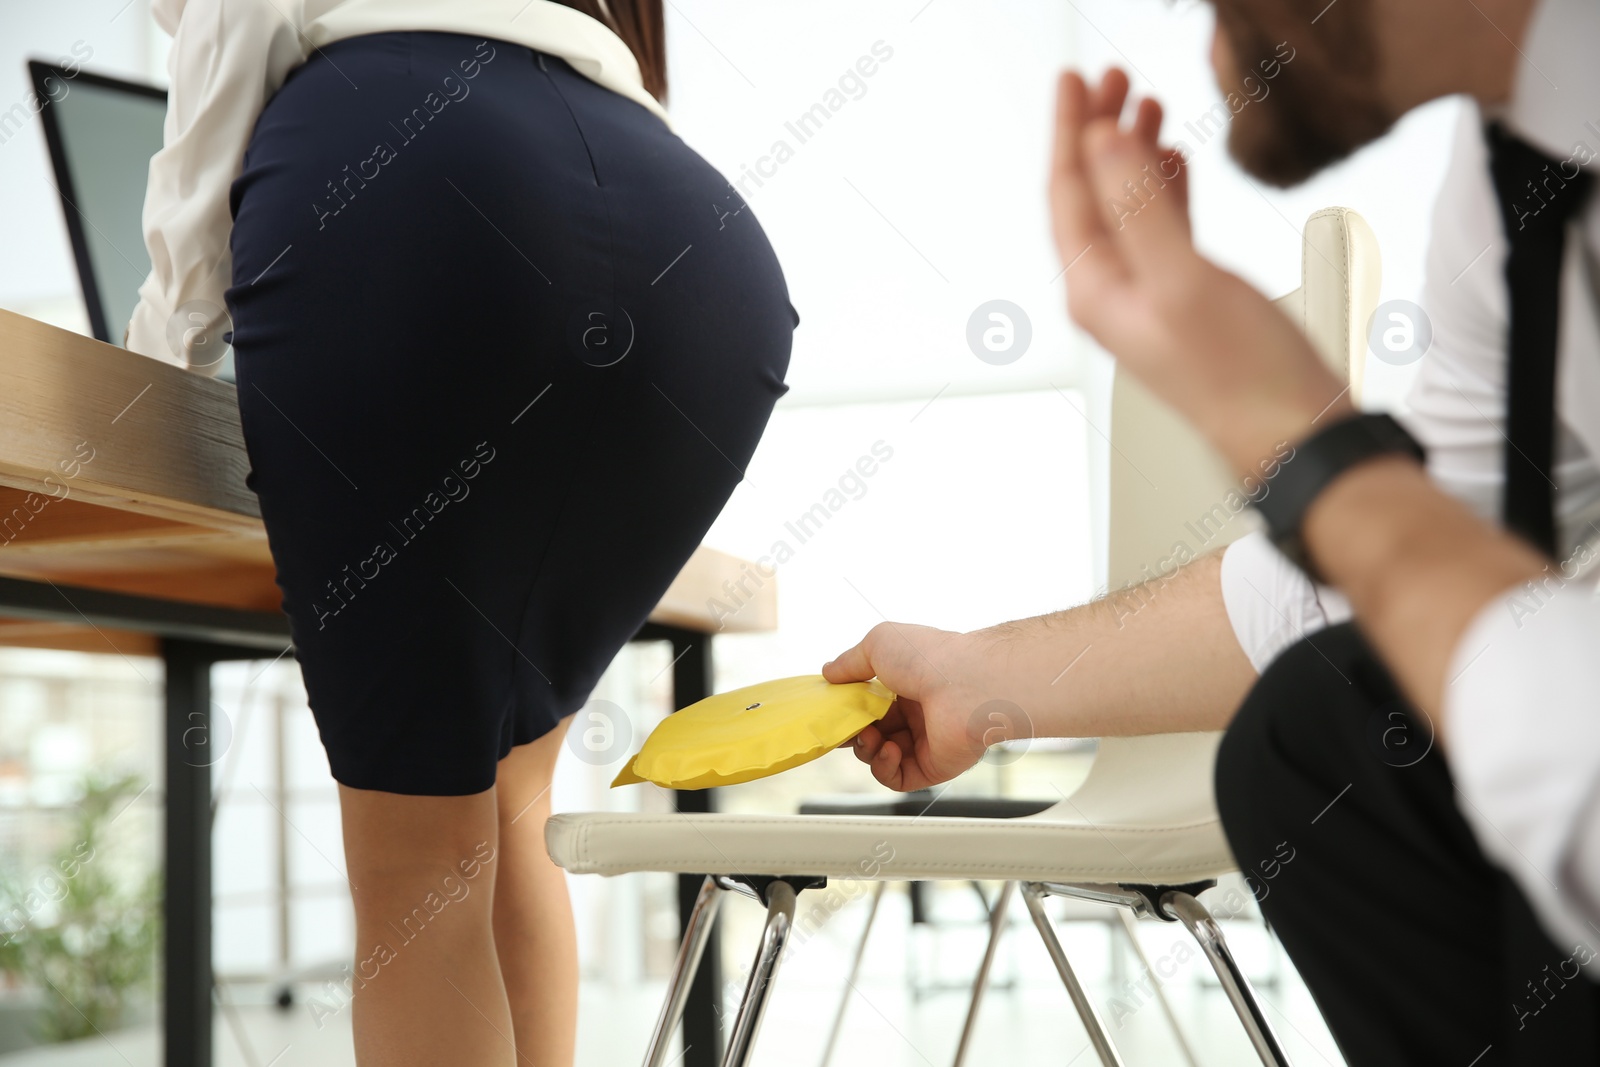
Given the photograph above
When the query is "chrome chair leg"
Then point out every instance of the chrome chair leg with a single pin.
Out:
(780, 919)
(690, 950)
(1189, 911)
(1130, 925)
(997, 926)
(1033, 893)
(855, 972)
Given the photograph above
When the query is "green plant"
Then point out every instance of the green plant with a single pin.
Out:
(84, 932)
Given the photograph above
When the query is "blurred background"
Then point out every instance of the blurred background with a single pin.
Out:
(918, 202)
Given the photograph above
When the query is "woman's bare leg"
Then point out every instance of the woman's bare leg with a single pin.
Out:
(533, 928)
(423, 872)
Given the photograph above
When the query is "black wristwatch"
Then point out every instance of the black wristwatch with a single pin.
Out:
(1316, 462)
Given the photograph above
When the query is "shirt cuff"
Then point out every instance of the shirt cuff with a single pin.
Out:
(1271, 604)
(147, 331)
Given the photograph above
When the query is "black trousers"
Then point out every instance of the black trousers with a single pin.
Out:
(1343, 815)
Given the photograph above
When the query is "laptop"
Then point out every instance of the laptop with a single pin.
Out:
(101, 132)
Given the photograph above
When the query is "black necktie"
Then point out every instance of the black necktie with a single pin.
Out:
(1538, 195)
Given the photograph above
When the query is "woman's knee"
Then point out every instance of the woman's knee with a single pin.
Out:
(522, 780)
(400, 844)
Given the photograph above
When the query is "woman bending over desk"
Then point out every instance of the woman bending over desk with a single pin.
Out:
(503, 349)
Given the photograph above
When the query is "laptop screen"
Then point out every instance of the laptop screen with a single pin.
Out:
(102, 132)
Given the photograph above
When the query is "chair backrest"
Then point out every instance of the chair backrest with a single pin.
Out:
(1172, 497)
(1169, 491)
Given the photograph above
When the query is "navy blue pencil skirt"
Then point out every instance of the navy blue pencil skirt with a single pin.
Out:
(504, 346)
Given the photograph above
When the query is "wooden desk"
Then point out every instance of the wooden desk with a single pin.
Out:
(126, 527)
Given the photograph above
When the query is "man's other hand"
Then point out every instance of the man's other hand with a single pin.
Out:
(1201, 338)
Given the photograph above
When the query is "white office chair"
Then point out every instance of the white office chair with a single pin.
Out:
(1141, 832)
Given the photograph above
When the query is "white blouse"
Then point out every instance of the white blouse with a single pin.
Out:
(228, 57)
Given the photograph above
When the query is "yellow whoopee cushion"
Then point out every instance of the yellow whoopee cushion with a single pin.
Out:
(756, 731)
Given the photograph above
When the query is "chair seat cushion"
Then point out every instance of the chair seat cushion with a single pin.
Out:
(1057, 845)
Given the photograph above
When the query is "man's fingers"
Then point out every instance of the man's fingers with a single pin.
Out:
(870, 739)
(1147, 121)
(1072, 103)
(851, 665)
(1110, 97)
(1172, 161)
(1142, 189)
(1078, 226)
(886, 765)
(867, 743)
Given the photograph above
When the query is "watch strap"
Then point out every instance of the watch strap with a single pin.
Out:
(1315, 463)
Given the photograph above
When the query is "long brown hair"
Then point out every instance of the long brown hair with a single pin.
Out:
(640, 25)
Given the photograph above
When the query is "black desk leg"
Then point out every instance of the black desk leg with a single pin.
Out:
(702, 1015)
(186, 908)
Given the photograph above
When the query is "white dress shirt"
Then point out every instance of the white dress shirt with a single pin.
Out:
(228, 57)
(1524, 702)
